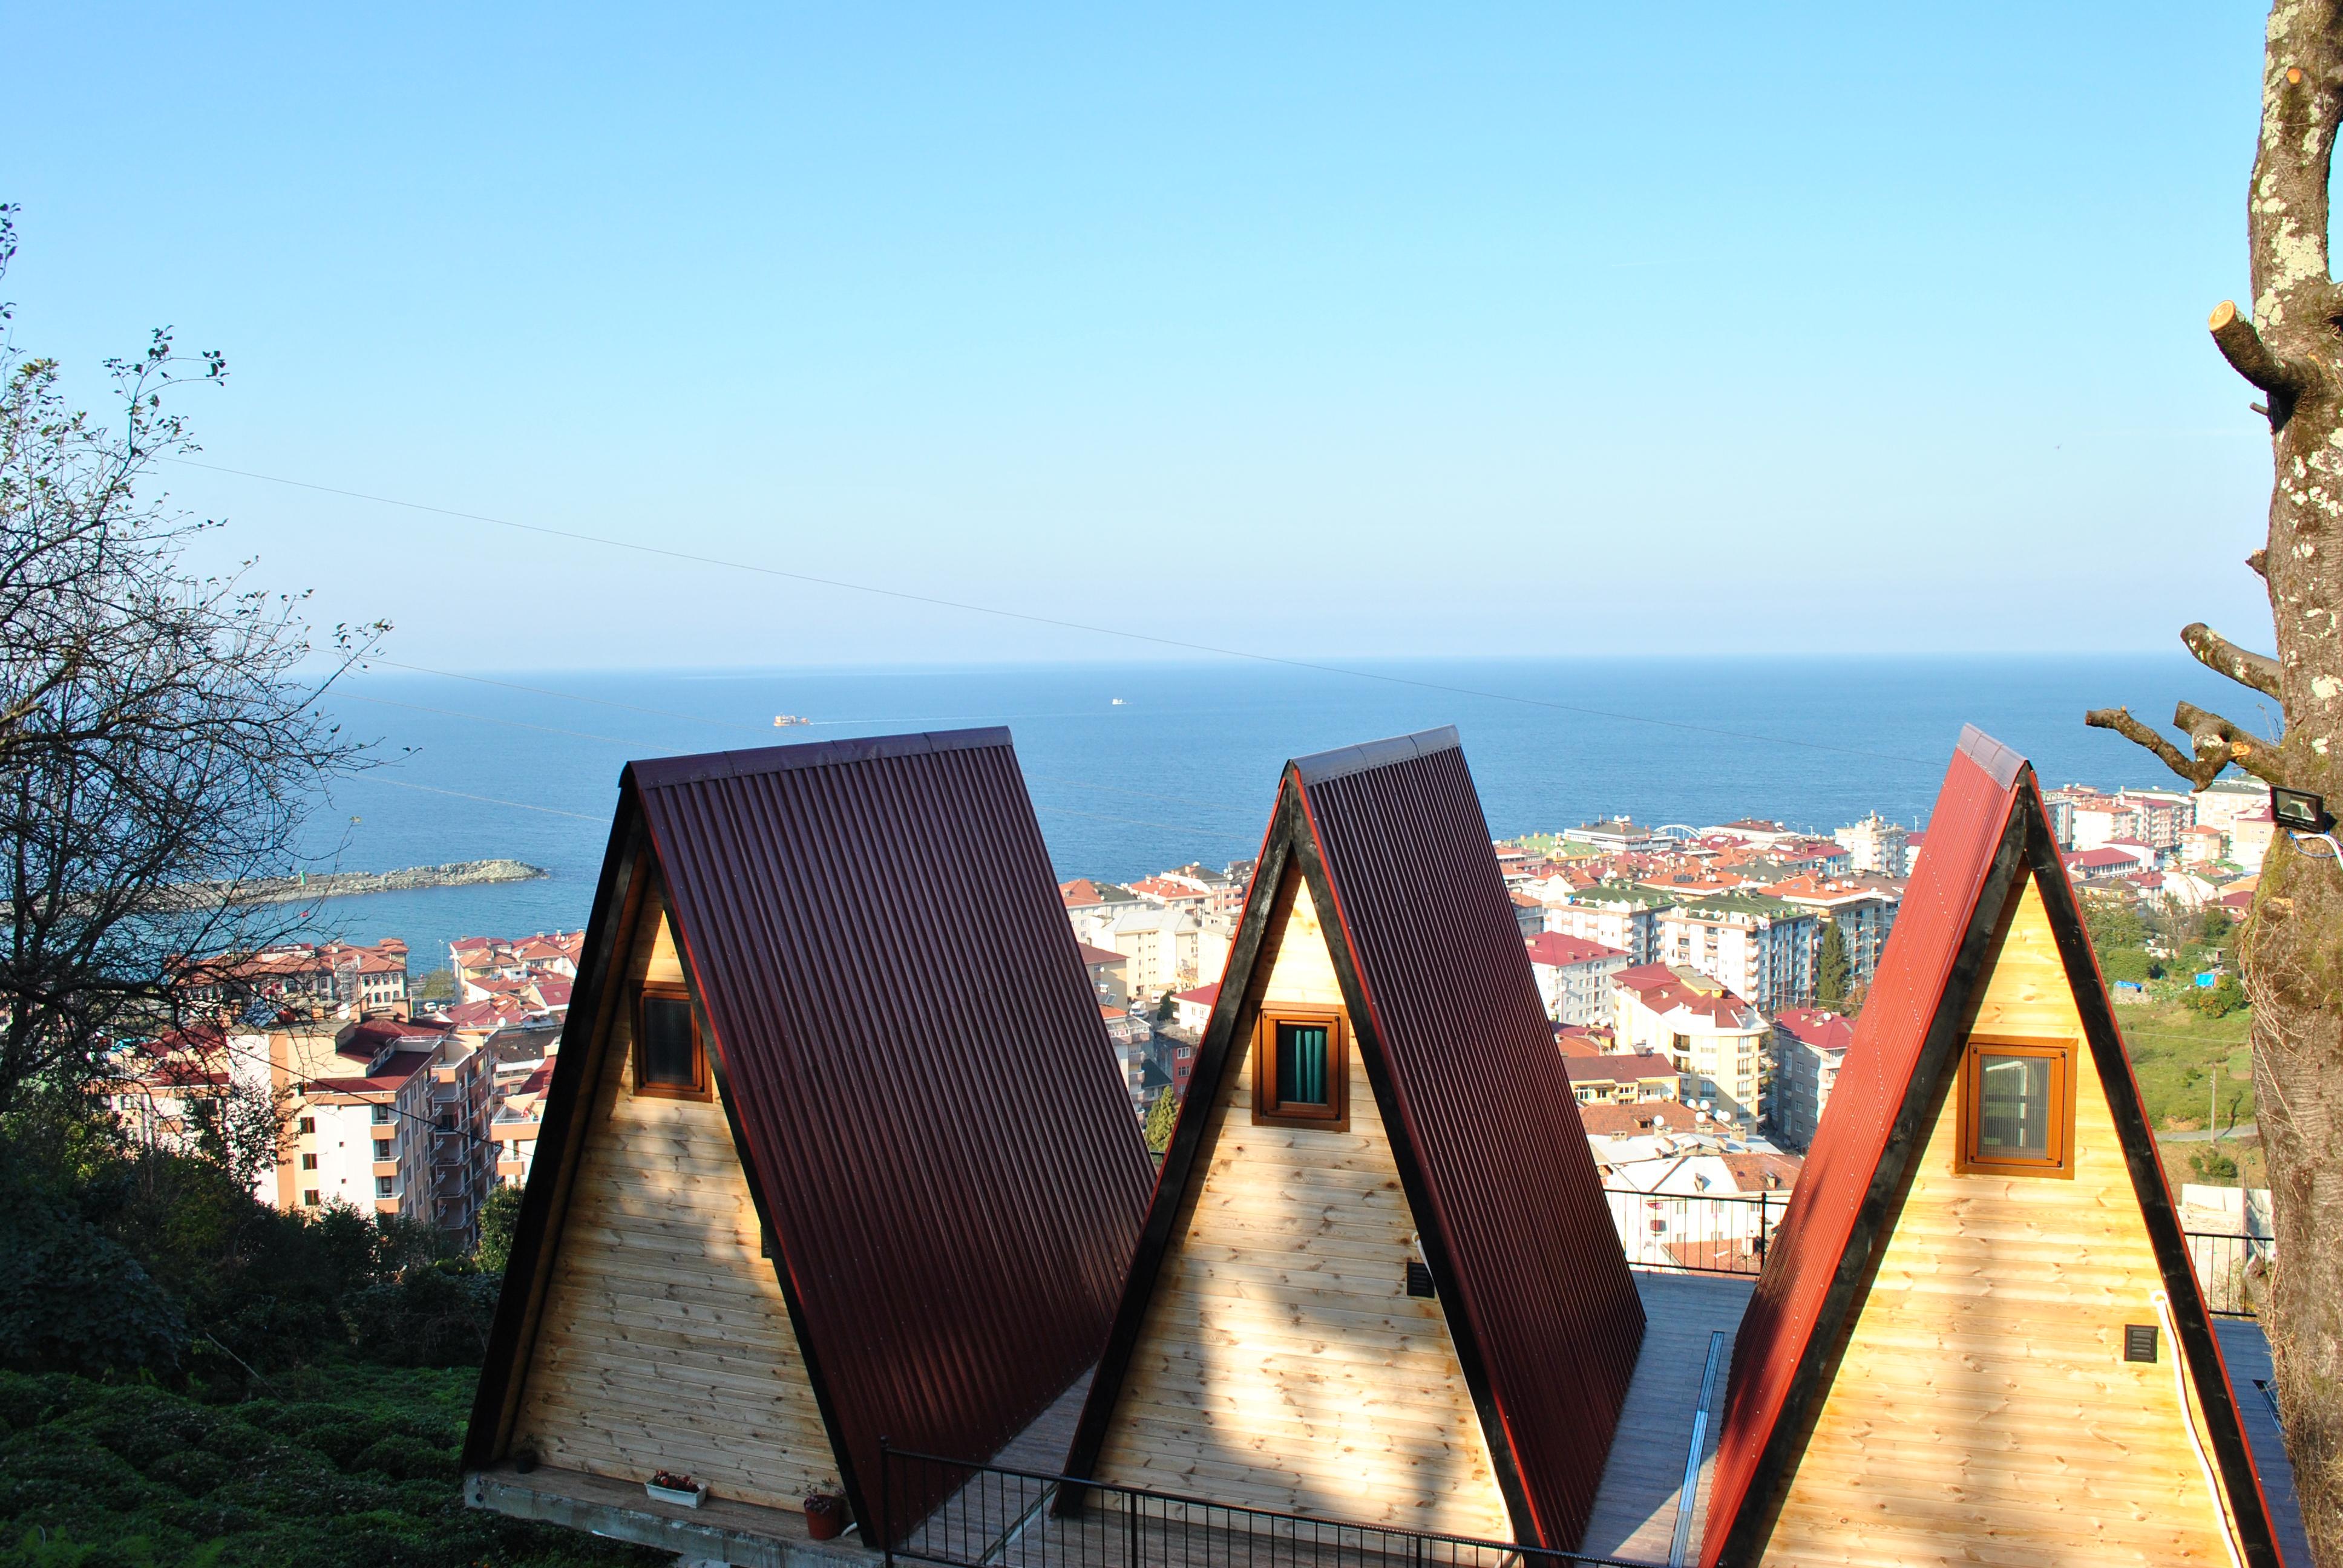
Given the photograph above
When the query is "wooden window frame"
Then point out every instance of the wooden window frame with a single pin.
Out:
(2060, 1051)
(700, 1087)
(1268, 1110)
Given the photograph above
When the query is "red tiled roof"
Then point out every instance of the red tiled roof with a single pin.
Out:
(1817, 1027)
(1204, 995)
(1555, 949)
(1092, 957)
(1635, 1068)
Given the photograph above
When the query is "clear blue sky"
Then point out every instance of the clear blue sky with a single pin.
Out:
(1506, 329)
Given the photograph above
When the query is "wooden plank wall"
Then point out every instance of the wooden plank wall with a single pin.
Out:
(1281, 1364)
(665, 1343)
(1983, 1412)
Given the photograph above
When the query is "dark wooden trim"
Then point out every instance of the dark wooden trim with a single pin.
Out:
(1431, 1231)
(2060, 1165)
(1858, 1265)
(1335, 1117)
(568, 1102)
(2207, 1371)
(700, 1087)
(1226, 1038)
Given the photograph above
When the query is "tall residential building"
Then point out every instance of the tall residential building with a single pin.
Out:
(1574, 976)
(1620, 915)
(1757, 947)
(1159, 939)
(1877, 845)
(1809, 1045)
(1714, 1040)
(1862, 908)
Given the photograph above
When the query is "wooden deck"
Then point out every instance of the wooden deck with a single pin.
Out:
(1635, 1515)
(2246, 1352)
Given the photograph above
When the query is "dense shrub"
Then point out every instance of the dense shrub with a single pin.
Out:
(74, 1301)
(432, 1315)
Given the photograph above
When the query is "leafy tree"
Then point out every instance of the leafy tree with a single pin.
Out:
(1834, 970)
(160, 743)
(436, 985)
(2126, 964)
(2222, 998)
(1167, 1010)
(1163, 1114)
(2291, 944)
(2213, 1165)
(499, 1215)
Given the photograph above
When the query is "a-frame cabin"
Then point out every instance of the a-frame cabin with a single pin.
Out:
(1379, 1281)
(1978, 1338)
(836, 1147)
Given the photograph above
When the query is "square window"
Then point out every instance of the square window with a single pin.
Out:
(382, 1186)
(383, 1148)
(309, 1126)
(309, 1198)
(309, 1162)
(382, 1113)
(2017, 1107)
(668, 1061)
(1301, 1068)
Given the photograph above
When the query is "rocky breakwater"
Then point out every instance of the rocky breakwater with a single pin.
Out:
(344, 884)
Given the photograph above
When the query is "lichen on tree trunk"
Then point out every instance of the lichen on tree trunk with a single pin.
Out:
(2290, 345)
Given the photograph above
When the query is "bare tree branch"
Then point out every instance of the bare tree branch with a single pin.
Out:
(2119, 720)
(2249, 356)
(2218, 654)
(2216, 737)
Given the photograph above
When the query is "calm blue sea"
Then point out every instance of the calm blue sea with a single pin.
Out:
(1185, 768)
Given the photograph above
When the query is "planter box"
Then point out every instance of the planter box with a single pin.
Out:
(691, 1499)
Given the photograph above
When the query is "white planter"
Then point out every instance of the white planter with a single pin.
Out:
(691, 1499)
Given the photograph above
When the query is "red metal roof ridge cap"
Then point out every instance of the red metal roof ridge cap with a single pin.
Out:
(2001, 764)
(1344, 760)
(667, 772)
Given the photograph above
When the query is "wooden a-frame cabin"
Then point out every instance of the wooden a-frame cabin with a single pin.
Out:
(836, 1147)
(1979, 1337)
(1379, 1281)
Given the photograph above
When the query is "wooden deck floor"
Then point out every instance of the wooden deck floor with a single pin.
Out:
(2247, 1353)
(1635, 1515)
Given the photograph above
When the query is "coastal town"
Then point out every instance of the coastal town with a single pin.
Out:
(1702, 983)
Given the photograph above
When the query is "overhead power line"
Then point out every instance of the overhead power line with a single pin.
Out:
(937, 601)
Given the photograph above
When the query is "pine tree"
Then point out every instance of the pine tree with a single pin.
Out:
(1834, 971)
(1161, 1114)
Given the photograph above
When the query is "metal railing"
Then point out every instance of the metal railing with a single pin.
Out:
(2233, 1271)
(1695, 1232)
(991, 1516)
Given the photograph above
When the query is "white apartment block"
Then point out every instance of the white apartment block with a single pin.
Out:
(1756, 947)
(1161, 943)
(1862, 908)
(1574, 976)
(1620, 915)
(1809, 1046)
(1715, 1039)
(1875, 844)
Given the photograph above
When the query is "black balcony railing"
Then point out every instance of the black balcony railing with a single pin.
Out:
(1696, 1232)
(2233, 1271)
(991, 1516)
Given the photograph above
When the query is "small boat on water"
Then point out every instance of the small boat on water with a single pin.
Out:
(1118, 702)
(785, 721)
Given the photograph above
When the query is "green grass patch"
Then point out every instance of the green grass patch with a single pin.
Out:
(2181, 1058)
(340, 1466)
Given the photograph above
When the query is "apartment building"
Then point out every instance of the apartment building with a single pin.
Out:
(487, 967)
(1756, 947)
(1713, 1039)
(1110, 974)
(519, 1119)
(351, 976)
(1639, 1078)
(1875, 845)
(1809, 1046)
(1159, 941)
(1862, 908)
(1620, 915)
(1574, 976)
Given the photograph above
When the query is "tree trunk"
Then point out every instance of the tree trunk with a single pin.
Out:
(2291, 949)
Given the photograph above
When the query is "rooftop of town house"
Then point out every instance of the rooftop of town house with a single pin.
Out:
(1618, 895)
(1817, 1026)
(1203, 995)
(1737, 907)
(1670, 988)
(1083, 893)
(1555, 949)
(1633, 1068)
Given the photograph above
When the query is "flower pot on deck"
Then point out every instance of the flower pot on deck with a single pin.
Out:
(679, 1489)
(825, 1515)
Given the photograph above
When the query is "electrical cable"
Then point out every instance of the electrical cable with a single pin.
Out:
(936, 601)
(2163, 1304)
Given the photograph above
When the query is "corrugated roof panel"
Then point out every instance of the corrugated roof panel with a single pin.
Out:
(1940, 905)
(1486, 1102)
(931, 1107)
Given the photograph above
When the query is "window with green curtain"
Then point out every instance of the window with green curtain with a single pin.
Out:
(1301, 1053)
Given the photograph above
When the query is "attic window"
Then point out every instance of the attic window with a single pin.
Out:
(2017, 1108)
(668, 1061)
(1301, 1068)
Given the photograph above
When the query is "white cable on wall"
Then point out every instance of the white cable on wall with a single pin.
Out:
(2163, 1304)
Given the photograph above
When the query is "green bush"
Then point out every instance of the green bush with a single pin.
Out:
(2220, 999)
(74, 1301)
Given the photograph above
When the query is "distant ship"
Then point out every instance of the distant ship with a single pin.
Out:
(1118, 702)
(784, 720)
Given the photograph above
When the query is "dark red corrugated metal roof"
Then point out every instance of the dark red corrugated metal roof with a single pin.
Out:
(1484, 1102)
(915, 1056)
